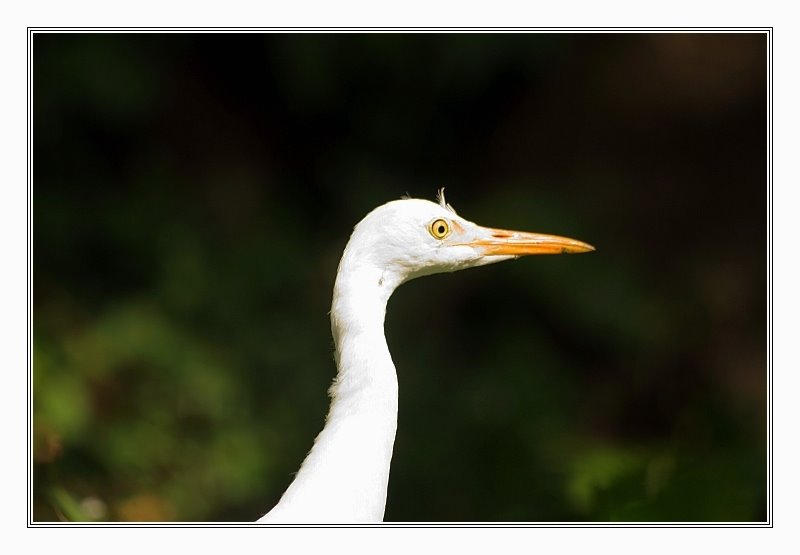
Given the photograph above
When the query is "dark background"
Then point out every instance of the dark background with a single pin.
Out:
(193, 193)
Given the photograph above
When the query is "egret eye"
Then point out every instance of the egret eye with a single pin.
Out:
(440, 228)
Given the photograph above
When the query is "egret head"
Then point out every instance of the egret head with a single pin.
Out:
(409, 238)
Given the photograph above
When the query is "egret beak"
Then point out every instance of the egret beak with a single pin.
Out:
(521, 243)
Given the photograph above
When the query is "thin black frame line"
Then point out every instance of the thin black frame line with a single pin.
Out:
(626, 525)
(633, 30)
(29, 277)
(631, 525)
(31, 31)
(28, 346)
(769, 384)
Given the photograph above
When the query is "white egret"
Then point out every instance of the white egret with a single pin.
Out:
(345, 476)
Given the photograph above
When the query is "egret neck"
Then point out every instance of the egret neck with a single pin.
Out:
(346, 473)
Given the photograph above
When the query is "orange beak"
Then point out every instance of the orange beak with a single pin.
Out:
(522, 243)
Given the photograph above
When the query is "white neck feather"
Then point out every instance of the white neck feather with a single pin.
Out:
(345, 476)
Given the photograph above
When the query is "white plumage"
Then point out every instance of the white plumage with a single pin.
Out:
(345, 475)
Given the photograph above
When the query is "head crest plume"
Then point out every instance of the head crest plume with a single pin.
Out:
(442, 202)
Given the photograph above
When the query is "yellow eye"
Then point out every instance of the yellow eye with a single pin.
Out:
(440, 228)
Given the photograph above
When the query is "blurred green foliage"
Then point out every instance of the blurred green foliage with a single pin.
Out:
(192, 195)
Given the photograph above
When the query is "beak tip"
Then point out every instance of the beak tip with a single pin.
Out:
(577, 249)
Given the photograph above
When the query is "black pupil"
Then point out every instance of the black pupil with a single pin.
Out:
(440, 229)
